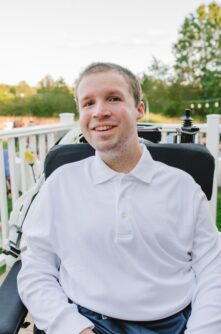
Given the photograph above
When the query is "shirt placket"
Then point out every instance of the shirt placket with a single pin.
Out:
(124, 229)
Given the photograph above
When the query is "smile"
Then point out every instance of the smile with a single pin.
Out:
(103, 128)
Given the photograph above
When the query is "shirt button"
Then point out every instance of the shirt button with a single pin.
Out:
(123, 215)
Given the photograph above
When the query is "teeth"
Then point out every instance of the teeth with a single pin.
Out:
(103, 128)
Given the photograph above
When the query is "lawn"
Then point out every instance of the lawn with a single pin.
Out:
(219, 210)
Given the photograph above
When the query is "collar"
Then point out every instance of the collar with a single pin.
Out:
(143, 171)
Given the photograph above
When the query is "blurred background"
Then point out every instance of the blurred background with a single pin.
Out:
(174, 47)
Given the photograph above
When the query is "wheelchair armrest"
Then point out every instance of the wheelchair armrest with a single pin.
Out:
(12, 311)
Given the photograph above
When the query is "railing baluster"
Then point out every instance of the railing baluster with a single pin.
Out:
(33, 143)
(212, 143)
(163, 136)
(35, 171)
(22, 147)
(50, 140)
(3, 196)
(13, 170)
(42, 151)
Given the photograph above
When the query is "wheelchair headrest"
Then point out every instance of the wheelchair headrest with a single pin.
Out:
(192, 158)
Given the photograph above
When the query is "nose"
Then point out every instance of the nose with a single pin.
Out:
(101, 111)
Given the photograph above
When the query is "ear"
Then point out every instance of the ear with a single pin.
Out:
(140, 110)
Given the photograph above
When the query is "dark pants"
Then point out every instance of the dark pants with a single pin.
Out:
(175, 324)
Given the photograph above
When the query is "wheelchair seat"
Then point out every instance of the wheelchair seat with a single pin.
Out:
(192, 158)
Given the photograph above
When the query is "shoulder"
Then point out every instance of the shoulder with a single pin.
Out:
(75, 169)
(174, 175)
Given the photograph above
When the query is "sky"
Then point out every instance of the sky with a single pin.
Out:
(61, 37)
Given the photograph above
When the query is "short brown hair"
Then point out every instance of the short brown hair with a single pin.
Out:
(132, 80)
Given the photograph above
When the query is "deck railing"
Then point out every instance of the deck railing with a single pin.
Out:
(41, 138)
(36, 140)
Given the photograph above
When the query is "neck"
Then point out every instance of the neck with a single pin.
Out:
(122, 161)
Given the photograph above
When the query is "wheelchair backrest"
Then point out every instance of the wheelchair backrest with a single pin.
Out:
(192, 158)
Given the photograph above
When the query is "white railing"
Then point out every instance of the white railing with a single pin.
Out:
(41, 138)
(37, 139)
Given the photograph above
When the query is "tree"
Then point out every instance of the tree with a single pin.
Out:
(163, 94)
(46, 85)
(198, 50)
(24, 90)
(52, 98)
(6, 92)
(160, 71)
(49, 85)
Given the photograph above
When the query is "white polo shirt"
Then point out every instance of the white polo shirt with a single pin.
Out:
(136, 246)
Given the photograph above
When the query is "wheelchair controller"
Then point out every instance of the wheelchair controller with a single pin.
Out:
(185, 134)
(188, 131)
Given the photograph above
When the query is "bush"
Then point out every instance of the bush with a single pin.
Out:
(40, 105)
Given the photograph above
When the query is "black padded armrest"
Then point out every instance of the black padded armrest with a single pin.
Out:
(12, 311)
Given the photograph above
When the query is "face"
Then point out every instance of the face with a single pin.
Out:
(108, 114)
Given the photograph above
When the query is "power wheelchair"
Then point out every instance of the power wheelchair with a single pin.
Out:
(195, 159)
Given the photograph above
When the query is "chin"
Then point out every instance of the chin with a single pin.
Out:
(104, 147)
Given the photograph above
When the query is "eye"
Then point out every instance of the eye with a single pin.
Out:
(87, 104)
(114, 99)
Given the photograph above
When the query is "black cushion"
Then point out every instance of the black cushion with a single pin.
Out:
(192, 158)
(12, 311)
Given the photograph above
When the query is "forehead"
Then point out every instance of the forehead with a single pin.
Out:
(101, 82)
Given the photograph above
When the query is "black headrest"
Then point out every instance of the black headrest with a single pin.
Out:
(192, 158)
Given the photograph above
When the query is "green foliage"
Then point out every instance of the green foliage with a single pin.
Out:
(49, 85)
(50, 104)
(196, 76)
(49, 99)
(198, 50)
(6, 92)
(165, 94)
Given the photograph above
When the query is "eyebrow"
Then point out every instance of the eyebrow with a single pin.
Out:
(110, 92)
(87, 97)
(113, 92)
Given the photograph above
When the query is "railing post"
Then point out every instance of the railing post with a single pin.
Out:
(13, 170)
(3, 197)
(67, 118)
(212, 143)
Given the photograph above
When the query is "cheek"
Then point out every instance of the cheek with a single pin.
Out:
(121, 113)
(127, 115)
(84, 119)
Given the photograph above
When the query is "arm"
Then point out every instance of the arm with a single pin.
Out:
(206, 262)
(38, 280)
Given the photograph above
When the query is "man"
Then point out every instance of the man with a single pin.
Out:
(120, 243)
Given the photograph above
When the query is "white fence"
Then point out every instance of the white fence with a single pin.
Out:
(41, 138)
(36, 139)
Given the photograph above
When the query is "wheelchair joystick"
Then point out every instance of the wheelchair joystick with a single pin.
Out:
(188, 131)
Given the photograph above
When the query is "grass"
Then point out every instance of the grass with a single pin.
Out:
(3, 267)
(219, 209)
(9, 205)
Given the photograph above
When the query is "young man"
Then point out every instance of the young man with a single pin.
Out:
(120, 243)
